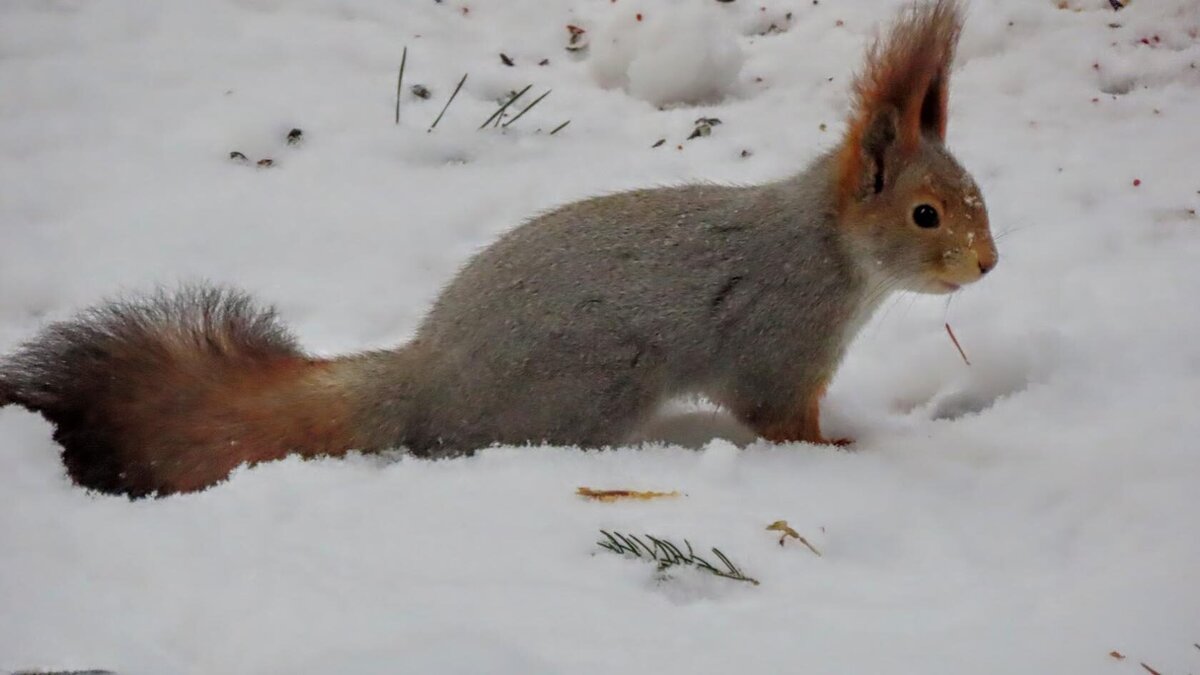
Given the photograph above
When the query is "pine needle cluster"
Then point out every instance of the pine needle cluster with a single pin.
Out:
(668, 554)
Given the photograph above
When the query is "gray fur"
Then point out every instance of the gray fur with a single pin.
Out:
(574, 327)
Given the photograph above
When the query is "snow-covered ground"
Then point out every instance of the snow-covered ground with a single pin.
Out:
(1030, 513)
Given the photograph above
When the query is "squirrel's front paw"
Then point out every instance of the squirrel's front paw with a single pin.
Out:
(774, 436)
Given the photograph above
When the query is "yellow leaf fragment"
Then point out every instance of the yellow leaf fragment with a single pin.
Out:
(618, 495)
(787, 531)
(782, 526)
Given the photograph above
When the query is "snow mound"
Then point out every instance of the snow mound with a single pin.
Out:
(674, 54)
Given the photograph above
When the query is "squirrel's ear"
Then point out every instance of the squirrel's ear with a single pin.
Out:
(934, 103)
(905, 81)
(870, 154)
(878, 149)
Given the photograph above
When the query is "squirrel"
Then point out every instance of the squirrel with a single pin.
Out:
(571, 329)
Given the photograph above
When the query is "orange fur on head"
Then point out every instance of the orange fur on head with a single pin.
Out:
(907, 72)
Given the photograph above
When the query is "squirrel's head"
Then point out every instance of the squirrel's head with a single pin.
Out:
(910, 211)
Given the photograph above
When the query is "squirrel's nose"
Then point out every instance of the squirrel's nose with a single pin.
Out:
(986, 257)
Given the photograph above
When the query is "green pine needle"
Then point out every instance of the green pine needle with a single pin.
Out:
(667, 554)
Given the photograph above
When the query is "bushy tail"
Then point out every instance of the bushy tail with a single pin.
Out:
(170, 393)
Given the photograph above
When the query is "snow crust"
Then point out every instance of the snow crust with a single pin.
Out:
(1030, 513)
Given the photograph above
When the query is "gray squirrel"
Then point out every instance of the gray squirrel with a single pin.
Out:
(571, 329)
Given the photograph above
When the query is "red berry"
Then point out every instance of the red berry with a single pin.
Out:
(639, 16)
(1137, 182)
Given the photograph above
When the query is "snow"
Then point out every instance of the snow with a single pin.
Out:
(681, 52)
(1029, 513)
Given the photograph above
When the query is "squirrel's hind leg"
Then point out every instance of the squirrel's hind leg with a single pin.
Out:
(795, 418)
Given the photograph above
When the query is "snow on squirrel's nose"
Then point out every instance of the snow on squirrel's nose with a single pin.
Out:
(987, 256)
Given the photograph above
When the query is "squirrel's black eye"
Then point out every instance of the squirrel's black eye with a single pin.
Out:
(925, 216)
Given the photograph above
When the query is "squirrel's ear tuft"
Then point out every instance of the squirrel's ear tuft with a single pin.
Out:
(908, 72)
(877, 152)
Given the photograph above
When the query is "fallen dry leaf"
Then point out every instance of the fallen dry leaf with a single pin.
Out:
(782, 526)
(1117, 655)
(617, 495)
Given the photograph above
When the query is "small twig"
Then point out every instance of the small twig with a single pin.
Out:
(400, 82)
(667, 554)
(528, 108)
(448, 102)
(618, 495)
(1149, 669)
(955, 341)
(560, 127)
(499, 117)
(502, 108)
(810, 546)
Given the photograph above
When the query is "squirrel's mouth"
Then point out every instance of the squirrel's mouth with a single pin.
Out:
(939, 287)
(943, 281)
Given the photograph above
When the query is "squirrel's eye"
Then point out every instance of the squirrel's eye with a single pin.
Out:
(925, 216)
